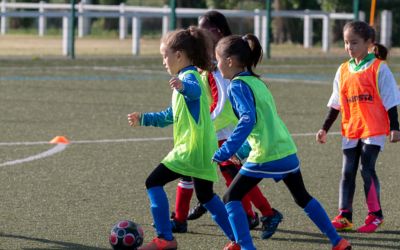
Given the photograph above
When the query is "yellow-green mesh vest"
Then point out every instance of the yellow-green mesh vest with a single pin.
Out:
(226, 117)
(206, 86)
(270, 139)
(194, 143)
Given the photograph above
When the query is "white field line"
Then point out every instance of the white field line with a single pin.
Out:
(126, 140)
(123, 69)
(88, 141)
(288, 80)
(58, 148)
(313, 134)
(130, 70)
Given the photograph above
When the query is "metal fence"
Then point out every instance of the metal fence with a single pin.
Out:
(84, 12)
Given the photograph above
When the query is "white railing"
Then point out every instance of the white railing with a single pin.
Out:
(123, 12)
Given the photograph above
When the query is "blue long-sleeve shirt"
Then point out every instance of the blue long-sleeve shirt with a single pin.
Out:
(243, 105)
(191, 91)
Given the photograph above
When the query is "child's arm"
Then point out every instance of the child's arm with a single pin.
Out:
(394, 124)
(134, 119)
(329, 120)
(156, 119)
(240, 156)
(243, 151)
(243, 104)
(390, 96)
(334, 107)
(188, 86)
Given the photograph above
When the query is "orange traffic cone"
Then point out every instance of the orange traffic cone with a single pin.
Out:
(59, 140)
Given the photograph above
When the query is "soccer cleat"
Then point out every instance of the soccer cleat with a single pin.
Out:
(176, 226)
(270, 224)
(197, 212)
(232, 246)
(342, 245)
(253, 221)
(179, 227)
(160, 244)
(371, 224)
(341, 223)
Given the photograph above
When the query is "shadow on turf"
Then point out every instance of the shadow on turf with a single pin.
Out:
(58, 244)
(351, 236)
(388, 232)
(321, 239)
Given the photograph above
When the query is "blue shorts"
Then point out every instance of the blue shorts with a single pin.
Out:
(277, 169)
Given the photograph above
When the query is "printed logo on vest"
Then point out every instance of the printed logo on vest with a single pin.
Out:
(360, 98)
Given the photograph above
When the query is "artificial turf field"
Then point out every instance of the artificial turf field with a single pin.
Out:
(71, 199)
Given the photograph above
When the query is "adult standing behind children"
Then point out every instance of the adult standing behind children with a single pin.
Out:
(366, 94)
(224, 122)
(273, 152)
(194, 135)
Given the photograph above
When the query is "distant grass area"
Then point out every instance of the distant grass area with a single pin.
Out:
(51, 46)
(33, 46)
(71, 199)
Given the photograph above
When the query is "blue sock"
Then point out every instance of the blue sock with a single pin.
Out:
(240, 226)
(160, 210)
(217, 210)
(317, 214)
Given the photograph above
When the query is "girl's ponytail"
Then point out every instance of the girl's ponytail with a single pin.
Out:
(256, 49)
(380, 51)
(247, 50)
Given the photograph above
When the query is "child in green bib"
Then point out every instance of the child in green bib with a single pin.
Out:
(273, 151)
(224, 122)
(194, 134)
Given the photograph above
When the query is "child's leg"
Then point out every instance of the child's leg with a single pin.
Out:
(369, 154)
(229, 172)
(184, 192)
(260, 201)
(351, 159)
(211, 201)
(254, 196)
(158, 199)
(374, 219)
(314, 210)
(237, 217)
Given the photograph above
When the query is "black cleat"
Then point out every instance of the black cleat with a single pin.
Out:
(196, 212)
(253, 221)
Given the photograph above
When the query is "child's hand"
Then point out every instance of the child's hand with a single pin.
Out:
(394, 136)
(175, 83)
(321, 136)
(134, 119)
(235, 160)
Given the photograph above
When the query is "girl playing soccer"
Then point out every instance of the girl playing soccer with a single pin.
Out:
(366, 94)
(273, 152)
(224, 122)
(194, 134)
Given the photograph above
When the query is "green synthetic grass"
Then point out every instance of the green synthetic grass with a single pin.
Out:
(70, 200)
